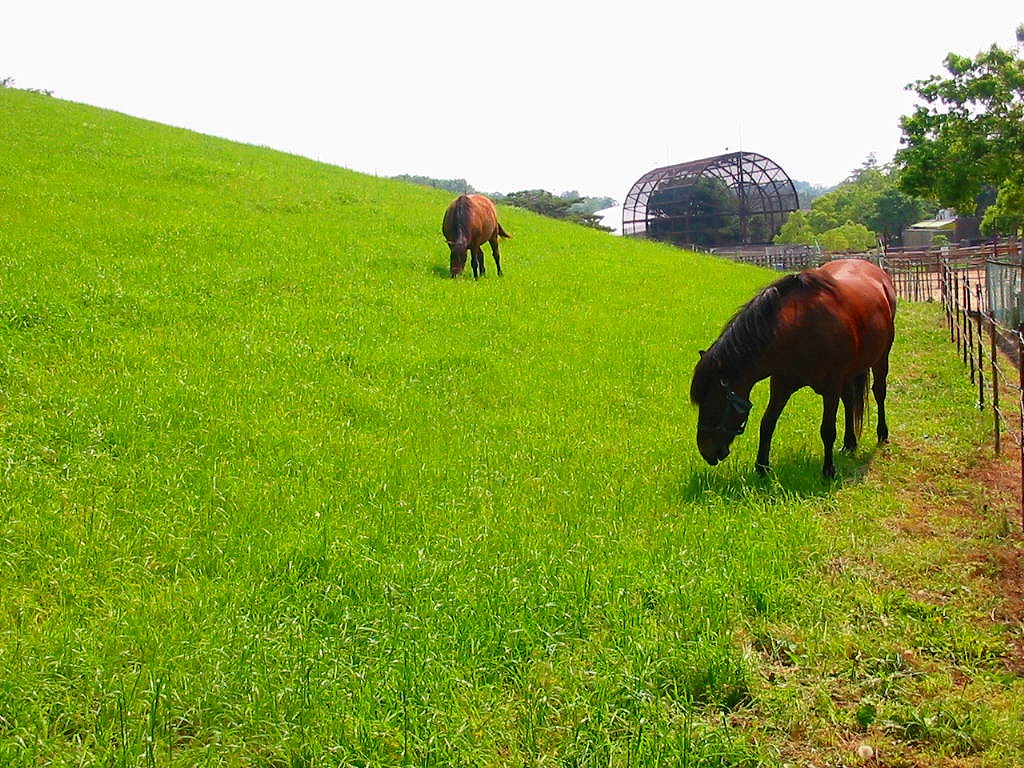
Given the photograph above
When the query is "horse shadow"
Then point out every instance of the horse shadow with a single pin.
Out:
(444, 272)
(792, 475)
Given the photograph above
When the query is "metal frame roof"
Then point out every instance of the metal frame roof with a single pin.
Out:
(740, 198)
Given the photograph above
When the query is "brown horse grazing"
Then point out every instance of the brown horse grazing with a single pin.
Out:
(469, 222)
(825, 328)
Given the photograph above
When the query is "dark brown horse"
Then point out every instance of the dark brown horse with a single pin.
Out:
(824, 328)
(469, 222)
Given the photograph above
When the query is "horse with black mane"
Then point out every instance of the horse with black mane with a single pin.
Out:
(824, 328)
(469, 222)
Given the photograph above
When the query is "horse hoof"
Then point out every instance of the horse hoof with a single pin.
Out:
(761, 469)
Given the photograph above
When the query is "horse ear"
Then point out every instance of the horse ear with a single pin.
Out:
(702, 352)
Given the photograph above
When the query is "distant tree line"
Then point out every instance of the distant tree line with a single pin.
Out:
(963, 149)
(807, 193)
(569, 206)
(866, 209)
(8, 82)
(455, 186)
(964, 145)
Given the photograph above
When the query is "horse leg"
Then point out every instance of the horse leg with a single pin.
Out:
(478, 261)
(879, 388)
(829, 409)
(849, 398)
(777, 400)
(855, 400)
(495, 254)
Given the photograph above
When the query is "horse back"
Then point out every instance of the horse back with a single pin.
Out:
(841, 323)
(864, 284)
(472, 219)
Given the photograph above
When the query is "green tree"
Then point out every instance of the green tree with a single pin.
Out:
(893, 211)
(969, 134)
(808, 193)
(557, 207)
(849, 237)
(455, 186)
(796, 231)
(853, 200)
(1006, 214)
(701, 211)
(587, 205)
(543, 202)
(8, 82)
(869, 196)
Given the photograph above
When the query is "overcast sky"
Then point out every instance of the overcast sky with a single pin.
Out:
(511, 95)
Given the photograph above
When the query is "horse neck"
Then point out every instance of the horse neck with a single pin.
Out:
(744, 362)
(748, 345)
(743, 379)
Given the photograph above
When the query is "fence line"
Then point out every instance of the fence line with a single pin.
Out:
(985, 344)
(982, 292)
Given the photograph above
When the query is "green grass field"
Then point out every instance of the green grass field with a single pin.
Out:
(276, 491)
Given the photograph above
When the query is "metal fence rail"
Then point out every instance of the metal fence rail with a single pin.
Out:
(991, 350)
(982, 291)
(1004, 285)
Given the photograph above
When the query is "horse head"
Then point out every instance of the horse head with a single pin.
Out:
(457, 261)
(721, 412)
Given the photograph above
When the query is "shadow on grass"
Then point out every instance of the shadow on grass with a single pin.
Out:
(792, 475)
(440, 270)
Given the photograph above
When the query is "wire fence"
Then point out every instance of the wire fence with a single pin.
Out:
(981, 292)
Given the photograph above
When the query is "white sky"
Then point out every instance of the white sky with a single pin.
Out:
(511, 95)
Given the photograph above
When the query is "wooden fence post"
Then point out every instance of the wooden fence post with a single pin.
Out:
(967, 311)
(957, 301)
(968, 329)
(1020, 404)
(947, 301)
(993, 352)
(981, 353)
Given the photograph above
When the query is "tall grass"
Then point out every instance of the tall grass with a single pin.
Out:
(277, 491)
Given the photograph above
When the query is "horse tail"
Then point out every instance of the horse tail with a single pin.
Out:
(502, 232)
(861, 385)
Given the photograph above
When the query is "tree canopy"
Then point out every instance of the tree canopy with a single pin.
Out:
(853, 216)
(968, 136)
(569, 206)
(8, 82)
(455, 186)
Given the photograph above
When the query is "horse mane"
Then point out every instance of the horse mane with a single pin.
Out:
(461, 210)
(751, 330)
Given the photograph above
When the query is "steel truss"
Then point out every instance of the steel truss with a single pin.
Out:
(741, 198)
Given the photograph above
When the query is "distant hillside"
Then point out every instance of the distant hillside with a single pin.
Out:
(455, 186)
(569, 205)
(808, 193)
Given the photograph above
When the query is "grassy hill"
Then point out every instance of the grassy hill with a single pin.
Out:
(278, 491)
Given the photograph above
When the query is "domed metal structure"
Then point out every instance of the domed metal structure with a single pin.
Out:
(741, 198)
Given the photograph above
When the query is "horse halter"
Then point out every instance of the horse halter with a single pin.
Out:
(734, 404)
